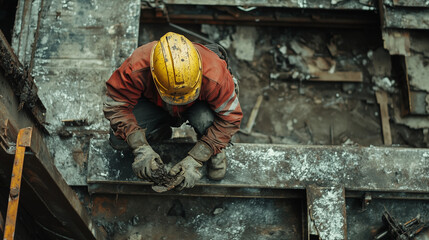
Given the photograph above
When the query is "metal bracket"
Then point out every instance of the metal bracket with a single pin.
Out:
(366, 200)
(23, 141)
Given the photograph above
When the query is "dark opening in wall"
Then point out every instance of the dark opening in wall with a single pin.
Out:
(7, 17)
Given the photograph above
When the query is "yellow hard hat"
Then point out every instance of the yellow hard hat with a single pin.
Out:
(176, 69)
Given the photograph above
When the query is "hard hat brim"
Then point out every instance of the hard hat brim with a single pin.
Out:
(181, 100)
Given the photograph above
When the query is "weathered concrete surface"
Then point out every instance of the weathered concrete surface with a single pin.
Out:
(327, 211)
(405, 17)
(80, 44)
(152, 217)
(25, 30)
(285, 166)
(418, 71)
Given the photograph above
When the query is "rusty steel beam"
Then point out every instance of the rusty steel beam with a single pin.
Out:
(22, 83)
(23, 141)
(200, 191)
(246, 4)
(190, 14)
(381, 169)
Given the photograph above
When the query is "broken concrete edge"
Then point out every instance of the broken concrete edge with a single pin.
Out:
(288, 167)
(22, 83)
(326, 208)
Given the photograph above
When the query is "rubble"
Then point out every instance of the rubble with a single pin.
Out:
(301, 49)
(381, 63)
(384, 83)
(244, 42)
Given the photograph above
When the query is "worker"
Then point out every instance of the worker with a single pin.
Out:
(163, 84)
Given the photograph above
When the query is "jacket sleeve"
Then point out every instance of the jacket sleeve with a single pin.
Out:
(224, 102)
(124, 88)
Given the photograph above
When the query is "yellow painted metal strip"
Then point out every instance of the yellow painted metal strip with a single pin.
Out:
(23, 141)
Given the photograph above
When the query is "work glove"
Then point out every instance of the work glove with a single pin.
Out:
(189, 169)
(146, 160)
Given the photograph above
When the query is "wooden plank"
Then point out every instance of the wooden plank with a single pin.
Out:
(384, 113)
(253, 115)
(337, 77)
(397, 42)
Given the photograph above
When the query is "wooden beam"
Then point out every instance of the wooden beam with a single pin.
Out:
(384, 113)
(253, 115)
(337, 77)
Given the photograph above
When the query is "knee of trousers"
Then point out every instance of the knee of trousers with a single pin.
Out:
(116, 143)
(201, 117)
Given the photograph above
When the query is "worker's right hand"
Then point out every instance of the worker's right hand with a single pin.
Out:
(146, 161)
(188, 170)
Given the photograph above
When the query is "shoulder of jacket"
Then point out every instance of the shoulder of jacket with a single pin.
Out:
(140, 58)
(214, 68)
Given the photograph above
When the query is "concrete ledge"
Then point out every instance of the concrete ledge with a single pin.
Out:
(285, 167)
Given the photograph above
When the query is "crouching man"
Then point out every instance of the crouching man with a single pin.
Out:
(163, 84)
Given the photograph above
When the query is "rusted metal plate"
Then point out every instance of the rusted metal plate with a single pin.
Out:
(285, 166)
(368, 224)
(23, 141)
(320, 4)
(176, 217)
(327, 212)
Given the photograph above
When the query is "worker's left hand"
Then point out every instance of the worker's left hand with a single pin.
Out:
(189, 170)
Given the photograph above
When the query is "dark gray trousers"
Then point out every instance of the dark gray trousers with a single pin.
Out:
(158, 122)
